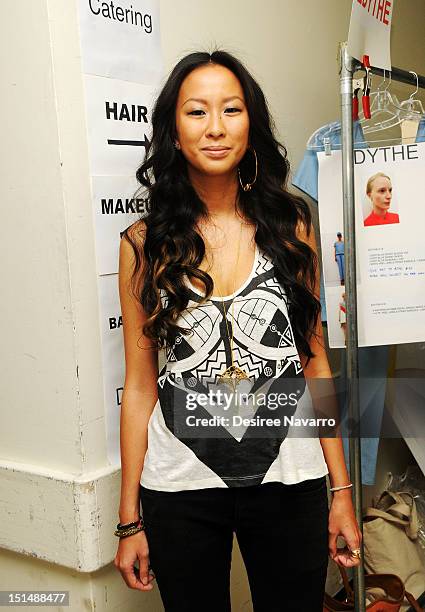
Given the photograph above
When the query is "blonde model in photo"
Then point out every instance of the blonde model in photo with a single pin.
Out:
(379, 191)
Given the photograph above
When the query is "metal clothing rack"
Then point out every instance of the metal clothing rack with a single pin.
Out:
(347, 67)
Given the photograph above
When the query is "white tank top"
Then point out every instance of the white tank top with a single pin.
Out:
(189, 446)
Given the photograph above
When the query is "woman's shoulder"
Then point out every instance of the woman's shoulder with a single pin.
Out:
(135, 233)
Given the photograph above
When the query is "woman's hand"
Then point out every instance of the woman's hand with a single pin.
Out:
(130, 549)
(343, 522)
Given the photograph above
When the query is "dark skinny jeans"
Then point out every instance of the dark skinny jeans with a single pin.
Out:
(282, 532)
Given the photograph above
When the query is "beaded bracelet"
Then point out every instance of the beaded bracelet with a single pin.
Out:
(127, 525)
(339, 488)
(123, 531)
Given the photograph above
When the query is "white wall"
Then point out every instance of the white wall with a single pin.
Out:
(291, 48)
(59, 499)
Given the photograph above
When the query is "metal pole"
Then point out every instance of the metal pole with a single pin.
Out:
(346, 65)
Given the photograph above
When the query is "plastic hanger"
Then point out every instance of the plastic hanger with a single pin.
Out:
(333, 127)
(399, 112)
(382, 102)
(414, 104)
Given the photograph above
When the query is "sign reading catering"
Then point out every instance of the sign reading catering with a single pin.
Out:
(120, 39)
(370, 30)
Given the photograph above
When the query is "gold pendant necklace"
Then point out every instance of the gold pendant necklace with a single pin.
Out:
(233, 374)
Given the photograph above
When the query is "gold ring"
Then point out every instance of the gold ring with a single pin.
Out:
(356, 553)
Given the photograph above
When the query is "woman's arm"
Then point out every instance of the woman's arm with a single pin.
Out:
(318, 368)
(342, 519)
(140, 388)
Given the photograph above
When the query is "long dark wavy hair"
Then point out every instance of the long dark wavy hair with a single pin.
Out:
(166, 244)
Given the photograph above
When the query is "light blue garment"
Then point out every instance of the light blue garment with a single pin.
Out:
(307, 174)
(339, 247)
(373, 366)
(420, 136)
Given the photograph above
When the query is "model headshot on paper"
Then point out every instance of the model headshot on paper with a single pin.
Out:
(379, 191)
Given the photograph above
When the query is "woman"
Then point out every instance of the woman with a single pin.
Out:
(339, 256)
(222, 273)
(380, 191)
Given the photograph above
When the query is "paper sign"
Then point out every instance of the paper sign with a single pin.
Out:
(390, 250)
(118, 124)
(370, 30)
(121, 39)
(117, 204)
(113, 360)
(122, 71)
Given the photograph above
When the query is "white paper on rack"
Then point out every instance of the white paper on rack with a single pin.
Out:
(390, 258)
(370, 31)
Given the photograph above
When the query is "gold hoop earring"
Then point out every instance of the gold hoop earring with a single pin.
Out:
(247, 186)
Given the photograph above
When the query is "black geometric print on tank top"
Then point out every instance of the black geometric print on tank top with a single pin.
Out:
(237, 462)
(263, 345)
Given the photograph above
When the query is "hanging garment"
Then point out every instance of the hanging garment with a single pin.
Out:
(203, 455)
(306, 179)
(420, 136)
(373, 367)
(307, 175)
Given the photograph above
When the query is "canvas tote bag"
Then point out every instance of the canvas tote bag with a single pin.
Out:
(390, 531)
